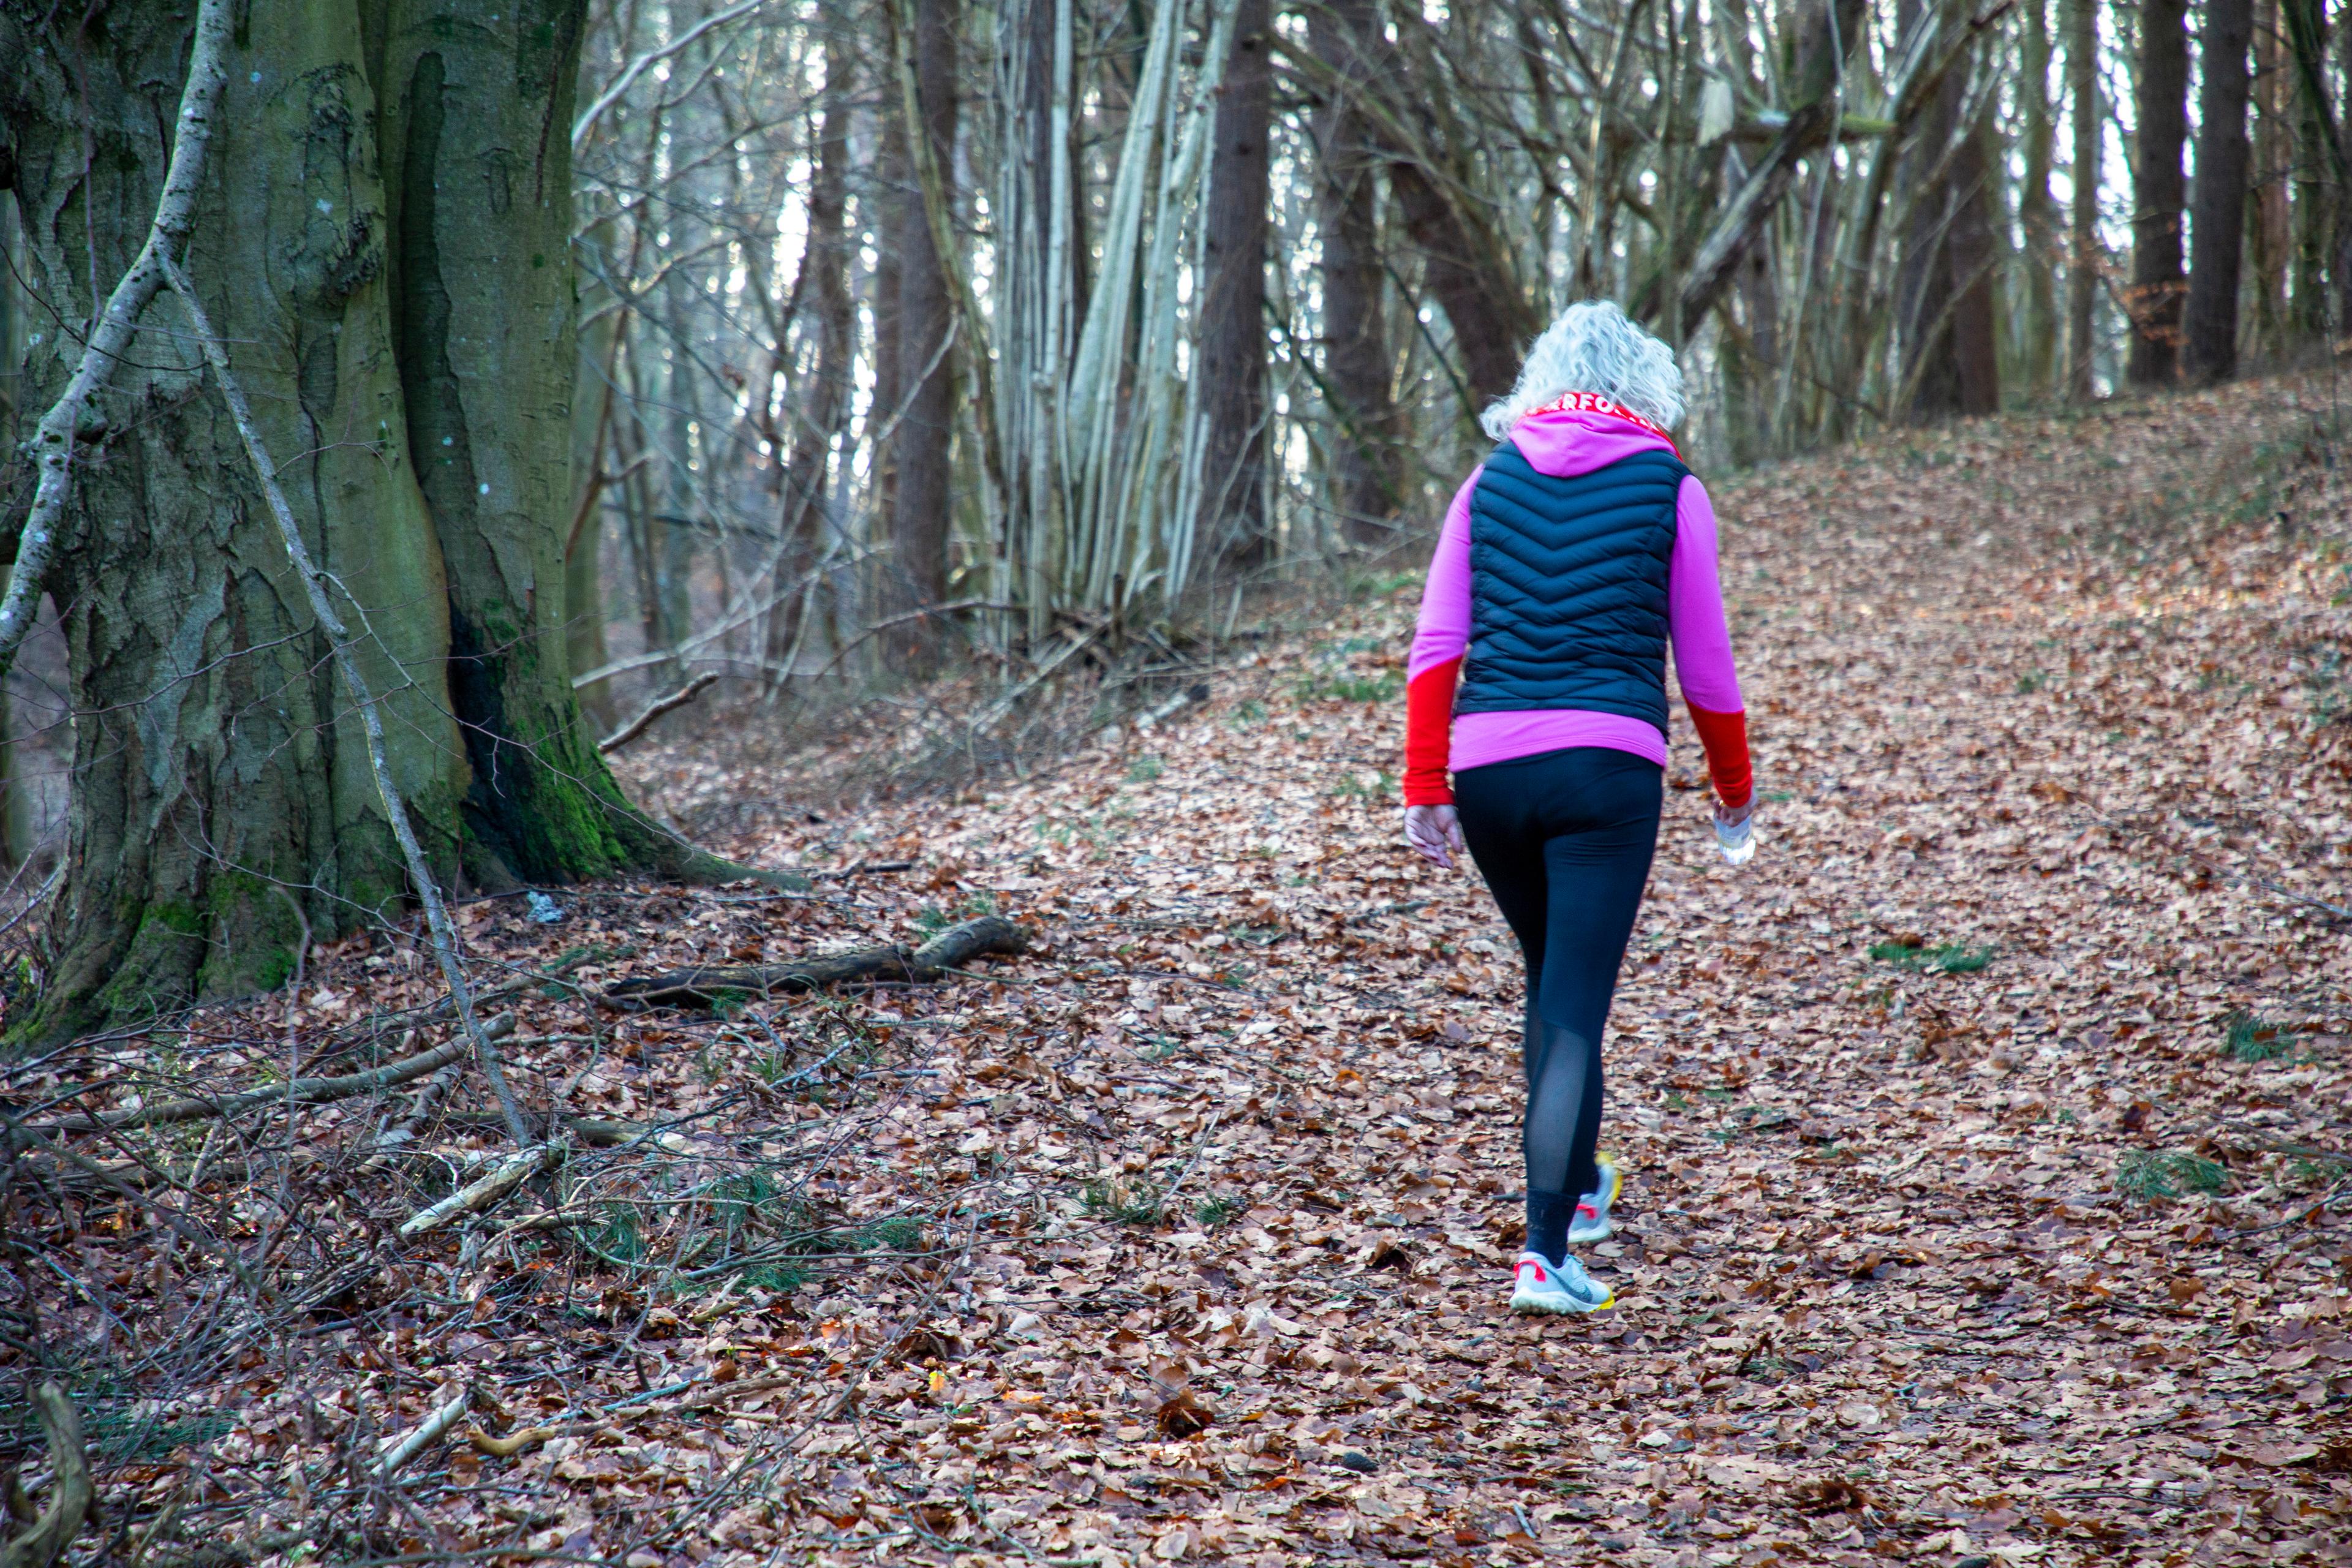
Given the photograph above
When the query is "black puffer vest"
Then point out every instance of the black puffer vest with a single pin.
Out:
(1568, 585)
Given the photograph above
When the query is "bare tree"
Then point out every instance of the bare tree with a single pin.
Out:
(2210, 332)
(924, 313)
(2159, 192)
(1367, 484)
(1233, 310)
(2083, 250)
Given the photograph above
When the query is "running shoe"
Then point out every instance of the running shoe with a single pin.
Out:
(1539, 1285)
(1592, 1221)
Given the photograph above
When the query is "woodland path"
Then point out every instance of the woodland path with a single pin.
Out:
(2047, 692)
(1186, 1233)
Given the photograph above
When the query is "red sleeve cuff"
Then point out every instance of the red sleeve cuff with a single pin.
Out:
(1429, 734)
(1724, 737)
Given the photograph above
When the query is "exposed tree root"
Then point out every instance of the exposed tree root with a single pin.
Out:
(71, 1493)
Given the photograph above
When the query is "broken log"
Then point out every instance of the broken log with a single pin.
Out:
(702, 985)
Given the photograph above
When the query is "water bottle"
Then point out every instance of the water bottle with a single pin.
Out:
(1736, 839)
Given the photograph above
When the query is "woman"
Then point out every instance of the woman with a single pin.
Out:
(1569, 560)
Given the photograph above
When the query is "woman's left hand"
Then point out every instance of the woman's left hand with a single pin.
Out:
(1436, 832)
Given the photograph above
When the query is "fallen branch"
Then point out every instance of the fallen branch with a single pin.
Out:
(1161, 712)
(655, 709)
(589, 1131)
(71, 1491)
(698, 1397)
(301, 1091)
(436, 1425)
(866, 869)
(484, 1191)
(951, 949)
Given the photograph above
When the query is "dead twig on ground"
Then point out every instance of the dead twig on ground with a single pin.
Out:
(485, 1191)
(301, 1091)
(434, 1427)
(947, 950)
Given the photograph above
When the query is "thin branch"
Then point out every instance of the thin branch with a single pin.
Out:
(637, 67)
(301, 1091)
(655, 709)
(53, 440)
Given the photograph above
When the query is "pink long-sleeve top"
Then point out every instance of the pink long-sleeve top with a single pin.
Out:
(1565, 443)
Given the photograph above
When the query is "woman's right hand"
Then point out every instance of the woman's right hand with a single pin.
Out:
(1436, 832)
(1735, 830)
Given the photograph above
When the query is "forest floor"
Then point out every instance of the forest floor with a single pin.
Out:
(1981, 1133)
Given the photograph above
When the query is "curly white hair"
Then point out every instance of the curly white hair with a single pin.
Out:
(1595, 347)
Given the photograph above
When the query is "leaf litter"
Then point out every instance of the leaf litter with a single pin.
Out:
(1985, 1136)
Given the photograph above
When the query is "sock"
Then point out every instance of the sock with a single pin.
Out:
(1548, 1217)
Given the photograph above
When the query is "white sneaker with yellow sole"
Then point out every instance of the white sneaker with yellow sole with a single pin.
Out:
(1539, 1285)
(1592, 1221)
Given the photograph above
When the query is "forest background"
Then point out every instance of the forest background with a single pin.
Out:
(809, 346)
(410, 406)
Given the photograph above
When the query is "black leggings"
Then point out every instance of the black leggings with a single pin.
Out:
(1564, 840)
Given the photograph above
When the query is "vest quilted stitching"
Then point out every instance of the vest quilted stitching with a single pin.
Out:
(1568, 587)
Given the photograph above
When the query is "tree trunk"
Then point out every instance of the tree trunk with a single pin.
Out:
(817, 426)
(1232, 304)
(1973, 256)
(2305, 24)
(221, 794)
(2328, 240)
(591, 423)
(16, 804)
(2082, 254)
(1366, 480)
(408, 345)
(2037, 214)
(477, 124)
(921, 452)
(2209, 345)
(2271, 243)
(2159, 194)
(1924, 277)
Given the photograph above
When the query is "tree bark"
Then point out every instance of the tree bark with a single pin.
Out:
(16, 804)
(393, 269)
(2316, 168)
(1948, 321)
(2159, 192)
(2271, 243)
(2037, 214)
(220, 779)
(920, 508)
(476, 124)
(817, 425)
(2082, 254)
(1366, 484)
(1973, 255)
(2210, 336)
(1233, 303)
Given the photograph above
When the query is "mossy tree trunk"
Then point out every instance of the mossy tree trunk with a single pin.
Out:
(383, 243)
